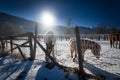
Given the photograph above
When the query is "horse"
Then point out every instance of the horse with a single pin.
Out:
(50, 40)
(114, 40)
(85, 45)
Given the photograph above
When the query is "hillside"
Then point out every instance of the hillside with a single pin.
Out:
(86, 30)
(16, 21)
(21, 25)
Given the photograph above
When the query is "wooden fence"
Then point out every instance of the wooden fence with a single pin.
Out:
(32, 41)
(10, 39)
(89, 36)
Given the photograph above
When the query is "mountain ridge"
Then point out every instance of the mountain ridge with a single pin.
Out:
(29, 26)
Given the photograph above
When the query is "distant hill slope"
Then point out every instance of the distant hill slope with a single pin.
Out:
(86, 30)
(28, 26)
(16, 21)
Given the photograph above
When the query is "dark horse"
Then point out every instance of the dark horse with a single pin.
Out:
(49, 40)
(114, 40)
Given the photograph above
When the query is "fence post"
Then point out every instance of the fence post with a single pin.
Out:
(80, 59)
(3, 46)
(11, 45)
(32, 54)
(36, 33)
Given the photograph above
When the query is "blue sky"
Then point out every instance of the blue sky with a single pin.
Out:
(82, 12)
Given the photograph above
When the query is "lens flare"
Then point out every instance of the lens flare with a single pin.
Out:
(47, 18)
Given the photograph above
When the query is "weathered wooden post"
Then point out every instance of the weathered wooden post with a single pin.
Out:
(36, 34)
(80, 59)
(11, 45)
(3, 46)
(119, 40)
(32, 54)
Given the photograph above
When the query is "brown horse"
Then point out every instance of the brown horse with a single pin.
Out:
(50, 41)
(114, 40)
(85, 44)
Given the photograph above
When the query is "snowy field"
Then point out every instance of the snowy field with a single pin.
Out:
(108, 64)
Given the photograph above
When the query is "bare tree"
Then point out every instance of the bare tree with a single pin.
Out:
(69, 21)
(105, 29)
(69, 31)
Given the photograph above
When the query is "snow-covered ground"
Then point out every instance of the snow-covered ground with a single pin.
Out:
(108, 64)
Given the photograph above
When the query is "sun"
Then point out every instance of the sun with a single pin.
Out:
(47, 18)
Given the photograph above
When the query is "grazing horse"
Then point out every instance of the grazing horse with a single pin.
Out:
(85, 44)
(114, 40)
(50, 41)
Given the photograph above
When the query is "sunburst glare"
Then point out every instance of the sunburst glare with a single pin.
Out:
(47, 18)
